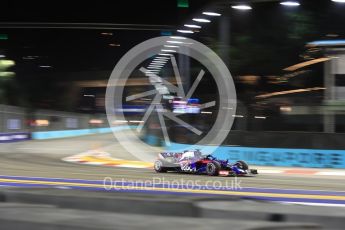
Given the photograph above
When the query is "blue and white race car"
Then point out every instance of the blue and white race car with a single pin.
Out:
(193, 161)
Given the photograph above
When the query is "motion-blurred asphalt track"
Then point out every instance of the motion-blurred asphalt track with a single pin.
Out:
(43, 159)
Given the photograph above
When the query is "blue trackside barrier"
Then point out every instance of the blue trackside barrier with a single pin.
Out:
(153, 140)
(73, 133)
(309, 158)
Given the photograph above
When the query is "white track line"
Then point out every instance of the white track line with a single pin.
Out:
(330, 173)
(317, 204)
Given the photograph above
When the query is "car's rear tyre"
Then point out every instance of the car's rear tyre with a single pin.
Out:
(212, 168)
(242, 165)
(158, 166)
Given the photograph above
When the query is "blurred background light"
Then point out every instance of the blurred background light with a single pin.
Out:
(45, 66)
(155, 66)
(182, 3)
(242, 7)
(177, 37)
(340, 42)
(159, 61)
(285, 109)
(4, 64)
(106, 34)
(175, 42)
(95, 121)
(41, 123)
(192, 26)
(185, 31)
(164, 50)
(201, 20)
(238, 116)
(3, 36)
(114, 45)
(7, 74)
(260, 117)
(166, 33)
(135, 121)
(290, 3)
(171, 46)
(161, 58)
(307, 63)
(211, 14)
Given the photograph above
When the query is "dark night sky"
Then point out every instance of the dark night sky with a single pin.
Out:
(69, 51)
(163, 12)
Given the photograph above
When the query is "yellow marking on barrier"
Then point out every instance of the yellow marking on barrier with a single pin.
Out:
(180, 190)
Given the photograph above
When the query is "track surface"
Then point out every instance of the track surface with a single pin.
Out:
(43, 159)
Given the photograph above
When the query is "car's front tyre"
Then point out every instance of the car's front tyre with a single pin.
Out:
(242, 165)
(212, 168)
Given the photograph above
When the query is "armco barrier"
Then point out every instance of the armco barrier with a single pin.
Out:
(313, 158)
(74, 133)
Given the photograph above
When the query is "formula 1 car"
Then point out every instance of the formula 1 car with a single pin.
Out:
(193, 161)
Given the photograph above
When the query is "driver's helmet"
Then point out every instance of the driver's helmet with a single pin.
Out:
(188, 155)
(197, 153)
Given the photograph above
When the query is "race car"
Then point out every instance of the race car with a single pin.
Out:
(193, 161)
